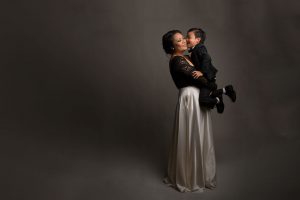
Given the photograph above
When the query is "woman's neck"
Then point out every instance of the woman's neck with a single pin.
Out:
(177, 54)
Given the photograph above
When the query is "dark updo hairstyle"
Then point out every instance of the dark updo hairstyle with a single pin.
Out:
(167, 41)
(199, 33)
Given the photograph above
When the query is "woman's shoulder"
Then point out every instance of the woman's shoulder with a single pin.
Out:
(178, 59)
(182, 60)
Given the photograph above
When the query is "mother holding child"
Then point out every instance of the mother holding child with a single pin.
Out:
(192, 164)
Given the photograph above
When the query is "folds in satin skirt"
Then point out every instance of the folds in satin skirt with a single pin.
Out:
(191, 164)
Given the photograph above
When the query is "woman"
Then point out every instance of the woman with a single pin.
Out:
(191, 165)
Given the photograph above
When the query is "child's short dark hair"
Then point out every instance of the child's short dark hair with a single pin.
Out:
(199, 33)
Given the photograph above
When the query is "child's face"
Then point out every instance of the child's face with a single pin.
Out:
(192, 40)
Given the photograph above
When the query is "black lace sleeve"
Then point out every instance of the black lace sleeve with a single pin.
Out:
(182, 66)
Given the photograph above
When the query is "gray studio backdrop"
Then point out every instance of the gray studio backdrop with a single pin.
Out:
(87, 101)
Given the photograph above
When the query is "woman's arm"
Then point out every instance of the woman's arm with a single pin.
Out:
(182, 66)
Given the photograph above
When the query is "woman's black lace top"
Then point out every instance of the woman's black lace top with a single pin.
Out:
(181, 72)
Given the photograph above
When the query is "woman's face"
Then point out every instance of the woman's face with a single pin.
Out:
(179, 43)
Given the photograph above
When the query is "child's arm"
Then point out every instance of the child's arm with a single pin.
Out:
(197, 74)
(197, 58)
(203, 61)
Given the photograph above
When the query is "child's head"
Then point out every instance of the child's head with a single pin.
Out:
(195, 36)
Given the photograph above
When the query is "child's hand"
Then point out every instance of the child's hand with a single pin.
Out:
(196, 74)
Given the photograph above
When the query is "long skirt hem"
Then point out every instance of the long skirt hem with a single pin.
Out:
(191, 164)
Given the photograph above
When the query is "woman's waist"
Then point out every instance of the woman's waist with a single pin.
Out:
(188, 90)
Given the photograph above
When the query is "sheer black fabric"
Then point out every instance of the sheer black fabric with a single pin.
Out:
(181, 72)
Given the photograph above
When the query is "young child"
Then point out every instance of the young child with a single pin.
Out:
(202, 61)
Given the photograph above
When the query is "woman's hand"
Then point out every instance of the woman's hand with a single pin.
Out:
(196, 74)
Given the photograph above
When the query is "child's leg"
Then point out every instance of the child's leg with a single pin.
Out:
(208, 101)
(227, 90)
(205, 99)
(217, 93)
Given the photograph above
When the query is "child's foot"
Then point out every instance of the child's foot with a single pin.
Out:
(220, 104)
(230, 92)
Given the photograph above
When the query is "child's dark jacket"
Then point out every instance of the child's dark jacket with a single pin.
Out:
(202, 61)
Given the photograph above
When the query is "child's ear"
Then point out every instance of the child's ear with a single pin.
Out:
(198, 40)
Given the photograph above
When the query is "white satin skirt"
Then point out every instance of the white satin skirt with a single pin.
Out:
(191, 164)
